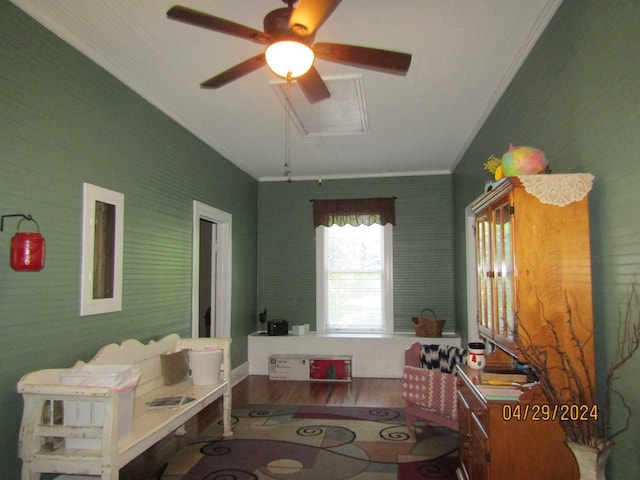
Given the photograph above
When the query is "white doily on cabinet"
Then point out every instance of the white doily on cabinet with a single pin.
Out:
(558, 189)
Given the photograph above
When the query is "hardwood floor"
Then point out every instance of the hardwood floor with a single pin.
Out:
(258, 389)
(365, 392)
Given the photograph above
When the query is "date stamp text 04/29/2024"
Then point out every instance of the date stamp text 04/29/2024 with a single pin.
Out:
(546, 413)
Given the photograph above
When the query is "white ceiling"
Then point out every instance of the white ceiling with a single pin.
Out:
(465, 53)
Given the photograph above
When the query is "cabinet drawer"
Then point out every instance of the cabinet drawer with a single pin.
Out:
(479, 419)
(476, 406)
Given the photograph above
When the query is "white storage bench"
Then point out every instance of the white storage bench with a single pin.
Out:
(43, 433)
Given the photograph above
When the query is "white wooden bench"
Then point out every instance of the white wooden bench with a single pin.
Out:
(43, 392)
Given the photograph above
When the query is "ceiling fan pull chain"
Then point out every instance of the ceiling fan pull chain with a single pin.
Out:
(287, 130)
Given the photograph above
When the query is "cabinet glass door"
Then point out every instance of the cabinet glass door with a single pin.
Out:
(503, 271)
(484, 273)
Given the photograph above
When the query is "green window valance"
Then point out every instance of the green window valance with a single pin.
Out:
(358, 211)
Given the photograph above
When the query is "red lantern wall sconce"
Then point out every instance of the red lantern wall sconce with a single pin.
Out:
(27, 248)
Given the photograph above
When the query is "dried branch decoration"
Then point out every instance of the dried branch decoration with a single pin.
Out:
(628, 344)
(569, 380)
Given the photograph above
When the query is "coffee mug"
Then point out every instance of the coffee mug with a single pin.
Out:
(475, 355)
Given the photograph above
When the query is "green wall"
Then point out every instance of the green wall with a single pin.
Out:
(577, 97)
(422, 245)
(65, 121)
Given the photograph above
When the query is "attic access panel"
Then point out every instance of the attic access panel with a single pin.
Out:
(344, 113)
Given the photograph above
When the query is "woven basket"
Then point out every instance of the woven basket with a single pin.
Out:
(426, 327)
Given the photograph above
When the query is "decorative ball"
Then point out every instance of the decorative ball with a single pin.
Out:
(523, 161)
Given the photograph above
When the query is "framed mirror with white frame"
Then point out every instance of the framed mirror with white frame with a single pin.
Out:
(102, 240)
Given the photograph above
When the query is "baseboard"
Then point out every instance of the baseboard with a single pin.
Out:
(239, 373)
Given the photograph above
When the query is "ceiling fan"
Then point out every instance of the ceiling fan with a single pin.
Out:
(296, 28)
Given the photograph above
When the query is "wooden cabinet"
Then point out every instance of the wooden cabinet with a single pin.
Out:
(497, 442)
(534, 262)
(533, 289)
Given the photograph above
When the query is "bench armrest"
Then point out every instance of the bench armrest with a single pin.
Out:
(47, 382)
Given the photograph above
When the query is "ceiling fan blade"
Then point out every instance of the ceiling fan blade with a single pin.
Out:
(234, 73)
(204, 20)
(309, 15)
(313, 86)
(385, 61)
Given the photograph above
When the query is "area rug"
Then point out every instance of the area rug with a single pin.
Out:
(275, 442)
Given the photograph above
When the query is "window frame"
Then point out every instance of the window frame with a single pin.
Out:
(321, 282)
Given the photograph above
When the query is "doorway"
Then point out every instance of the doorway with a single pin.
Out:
(207, 275)
(211, 276)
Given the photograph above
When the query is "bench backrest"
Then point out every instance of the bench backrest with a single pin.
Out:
(132, 352)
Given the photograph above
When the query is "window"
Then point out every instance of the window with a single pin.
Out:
(354, 278)
(354, 265)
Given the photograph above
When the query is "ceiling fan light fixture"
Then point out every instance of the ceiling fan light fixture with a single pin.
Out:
(289, 58)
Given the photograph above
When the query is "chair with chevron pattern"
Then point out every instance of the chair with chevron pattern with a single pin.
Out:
(429, 384)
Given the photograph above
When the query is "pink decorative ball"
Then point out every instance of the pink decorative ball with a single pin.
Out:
(523, 161)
